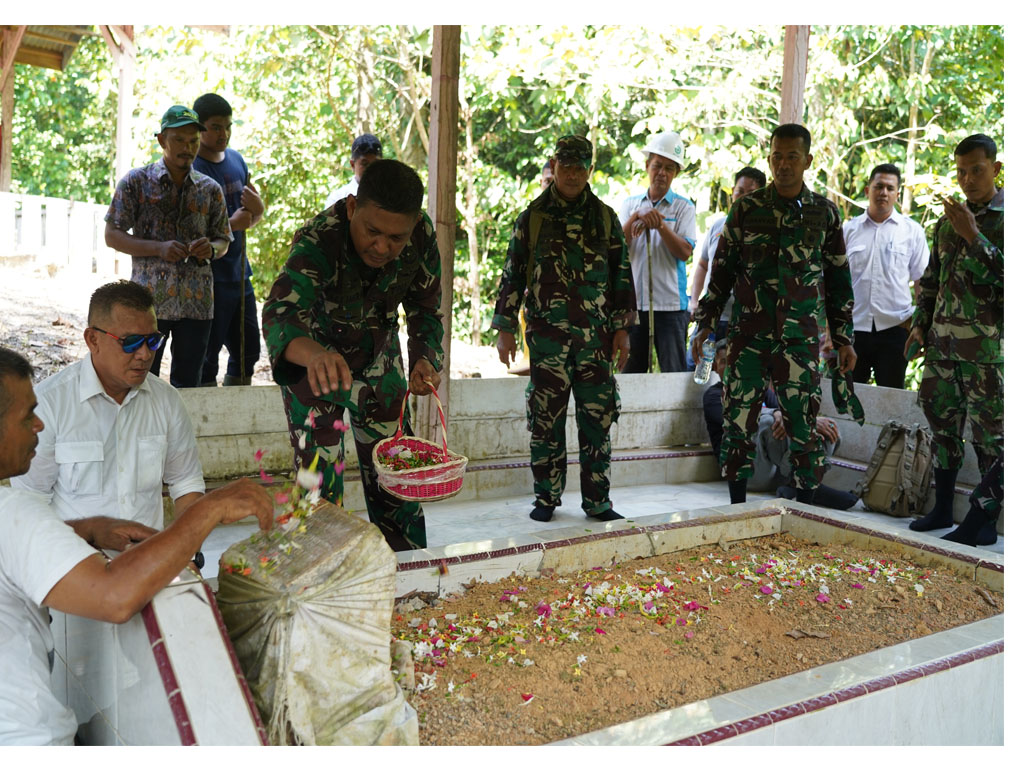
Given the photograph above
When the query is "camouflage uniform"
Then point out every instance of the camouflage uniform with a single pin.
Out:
(960, 313)
(579, 294)
(776, 255)
(988, 495)
(327, 293)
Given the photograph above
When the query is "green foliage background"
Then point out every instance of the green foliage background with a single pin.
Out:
(874, 94)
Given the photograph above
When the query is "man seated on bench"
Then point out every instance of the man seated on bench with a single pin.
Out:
(772, 468)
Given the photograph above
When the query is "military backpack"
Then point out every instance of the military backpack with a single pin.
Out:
(899, 473)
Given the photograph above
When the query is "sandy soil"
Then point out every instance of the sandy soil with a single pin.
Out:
(529, 661)
(43, 317)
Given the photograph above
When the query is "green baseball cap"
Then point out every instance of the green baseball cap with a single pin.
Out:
(177, 116)
(574, 150)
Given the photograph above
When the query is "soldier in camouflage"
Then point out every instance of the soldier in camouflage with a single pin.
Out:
(567, 260)
(979, 526)
(959, 324)
(780, 246)
(331, 326)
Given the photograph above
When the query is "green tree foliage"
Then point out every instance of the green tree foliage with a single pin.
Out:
(300, 94)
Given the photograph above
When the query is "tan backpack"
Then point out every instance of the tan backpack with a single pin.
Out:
(899, 473)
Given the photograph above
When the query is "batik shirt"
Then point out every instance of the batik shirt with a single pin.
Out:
(148, 204)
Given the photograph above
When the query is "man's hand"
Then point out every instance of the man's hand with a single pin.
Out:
(827, 429)
(620, 349)
(172, 251)
(825, 347)
(240, 220)
(961, 218)
(327, 369)
(506, 346)
(778, 429)
(201, 249)
(698, 343)
(915, 344)
(422, 377)
(240, 499)
(251, 200)
(650, 220)
(847, 358)
(111, 533)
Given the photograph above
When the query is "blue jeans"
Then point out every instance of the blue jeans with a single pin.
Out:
(224, 332)
(187, 340)
(670, 341)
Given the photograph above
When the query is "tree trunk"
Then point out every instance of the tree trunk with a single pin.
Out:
(910, 165)
(471, 217)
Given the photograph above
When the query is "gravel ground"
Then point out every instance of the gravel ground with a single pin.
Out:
(43, 317)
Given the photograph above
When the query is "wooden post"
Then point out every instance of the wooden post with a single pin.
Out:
(11, 41)
(123, 51)
(444, 132)
(794, 73)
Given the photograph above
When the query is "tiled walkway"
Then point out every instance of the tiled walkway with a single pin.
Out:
(453, 521)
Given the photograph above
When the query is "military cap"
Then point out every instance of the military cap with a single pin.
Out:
(574, 150)
(177, 116)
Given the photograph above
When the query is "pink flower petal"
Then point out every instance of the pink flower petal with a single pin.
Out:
(858, 586)
(822, 598)
(280, 497)
(339, 467)
(259, 455)
(338, 424)
(688, 635)
(766, 590)
(264, 476)
(600, 631)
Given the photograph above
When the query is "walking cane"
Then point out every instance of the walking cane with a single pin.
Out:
(241, 314)
(650, 303)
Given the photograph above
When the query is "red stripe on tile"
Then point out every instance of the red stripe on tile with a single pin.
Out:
(179, 711)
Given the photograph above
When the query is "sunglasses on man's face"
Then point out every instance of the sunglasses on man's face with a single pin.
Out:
(133, 341)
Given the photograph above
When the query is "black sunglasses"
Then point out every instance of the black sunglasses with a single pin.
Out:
(133, 341)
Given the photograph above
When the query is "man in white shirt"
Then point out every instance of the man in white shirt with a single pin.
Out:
(365, 149)
(666, 223)
(886, 251)
(745, 181)
(45, 563)
(115, 431)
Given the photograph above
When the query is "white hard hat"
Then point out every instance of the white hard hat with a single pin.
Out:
(667, 145)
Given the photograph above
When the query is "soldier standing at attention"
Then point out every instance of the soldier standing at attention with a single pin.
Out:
(779, 245)
(568, 260)
(331, 327)
(959, 322)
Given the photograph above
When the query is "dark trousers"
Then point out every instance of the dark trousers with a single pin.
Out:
(883, 352)
(670, 340)
(224, 332)
(188, 340)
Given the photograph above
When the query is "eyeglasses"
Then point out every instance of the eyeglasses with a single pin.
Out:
(133, 341)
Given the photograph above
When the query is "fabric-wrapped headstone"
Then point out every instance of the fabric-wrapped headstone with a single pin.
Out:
(313, 633)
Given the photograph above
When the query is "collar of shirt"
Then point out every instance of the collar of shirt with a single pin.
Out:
(995, 204)
(561, 202)
(158, 171)
(89, 384)
(668, 198)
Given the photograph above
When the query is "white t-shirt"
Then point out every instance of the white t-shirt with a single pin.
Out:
(707, 256)
(884, 258)
(96, 457)
(342, 192)
(36, 551)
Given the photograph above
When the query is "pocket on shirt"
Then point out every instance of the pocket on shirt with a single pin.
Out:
(150, 468)
(80, 466)
(857, 256)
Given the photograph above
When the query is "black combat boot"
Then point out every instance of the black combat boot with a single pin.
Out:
(941, 515)
(737, 491)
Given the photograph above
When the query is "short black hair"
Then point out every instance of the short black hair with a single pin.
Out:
(124, 293)
(751, 173)
(977, 141)
(12, 366)
(211, 105)
(391, 185)
(887, 168)
(792, 131)
(547, 166)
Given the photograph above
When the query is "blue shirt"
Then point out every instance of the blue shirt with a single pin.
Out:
(231, 173)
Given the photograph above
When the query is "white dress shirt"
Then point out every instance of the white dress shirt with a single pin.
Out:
(96, 457)
(342, 192)
(36, 551)
(884, 259)
(707, 256)
(669, 283)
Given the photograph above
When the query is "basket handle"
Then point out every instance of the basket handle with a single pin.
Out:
(440, 413)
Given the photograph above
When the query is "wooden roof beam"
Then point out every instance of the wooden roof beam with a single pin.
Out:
(12, 40)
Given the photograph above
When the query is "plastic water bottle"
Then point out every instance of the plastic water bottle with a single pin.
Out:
(707, 357)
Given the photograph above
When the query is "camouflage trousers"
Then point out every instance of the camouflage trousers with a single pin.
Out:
(792, 369)
(373, 404)
(558, 366)
(988, 496)
(954, 392)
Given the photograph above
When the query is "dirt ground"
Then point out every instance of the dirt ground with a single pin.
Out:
(530, 661)
(43, 316)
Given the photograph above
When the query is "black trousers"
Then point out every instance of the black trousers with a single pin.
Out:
(881, 351)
